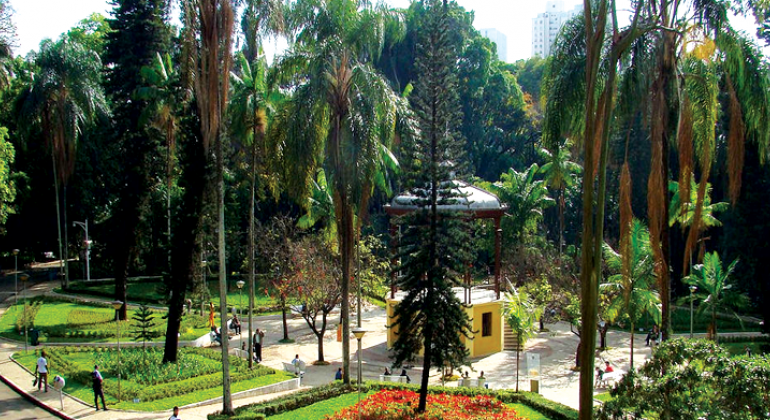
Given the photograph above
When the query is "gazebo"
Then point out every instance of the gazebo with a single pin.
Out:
(473, 201)
(483, 306)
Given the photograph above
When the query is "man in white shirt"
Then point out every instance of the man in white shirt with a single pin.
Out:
(175, 416)
(42, 371)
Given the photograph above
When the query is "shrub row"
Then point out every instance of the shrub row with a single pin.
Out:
(744, 339)
(287, 403)
(298, 400)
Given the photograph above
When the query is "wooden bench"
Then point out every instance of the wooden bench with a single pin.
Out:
(393, 378)
(298, 370)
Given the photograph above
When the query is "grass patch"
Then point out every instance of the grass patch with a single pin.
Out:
(151, 292)
(195, 377)
(680, 322)
(603, 397)
(70, 322)
(321, 409)
(527, 412)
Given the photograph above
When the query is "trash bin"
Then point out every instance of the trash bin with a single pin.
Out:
(34, 336)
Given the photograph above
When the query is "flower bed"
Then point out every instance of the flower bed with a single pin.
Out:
(402, 404)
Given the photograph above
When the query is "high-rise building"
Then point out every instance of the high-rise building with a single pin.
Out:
(546, 26)
(500, 40)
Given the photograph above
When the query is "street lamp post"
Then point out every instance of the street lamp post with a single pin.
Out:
(240, 284)
(359, 333)
(16, 276)
(24, 278)
(117, 305)
(88, 247)
(693, 289)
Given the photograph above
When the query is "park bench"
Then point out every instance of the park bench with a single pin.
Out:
(393, 378)
(292, 368)
(609, 378)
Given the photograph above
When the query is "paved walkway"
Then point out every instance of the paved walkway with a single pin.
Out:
(555, 348)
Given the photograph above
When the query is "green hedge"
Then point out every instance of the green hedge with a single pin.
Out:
(744, 339)
(292, 402)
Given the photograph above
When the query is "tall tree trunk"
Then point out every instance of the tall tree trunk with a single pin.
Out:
(517, 362)
(321, 344)
(66, 241)
(168, 203)
(346, 251)
(561, 223)
(194, 182)
(633, 326)
(227, 403)
(251, 244)
(283, 317)
(58, 219)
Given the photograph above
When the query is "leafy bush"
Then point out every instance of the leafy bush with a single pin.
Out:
(690, 379)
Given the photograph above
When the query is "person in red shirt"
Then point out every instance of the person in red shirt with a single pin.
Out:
(608, 368)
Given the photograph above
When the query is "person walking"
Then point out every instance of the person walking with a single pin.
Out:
(259, 337)
(42, 371)
(97, 381)
(175, 416)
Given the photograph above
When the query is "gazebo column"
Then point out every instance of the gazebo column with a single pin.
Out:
(498, 240)
(393, 260)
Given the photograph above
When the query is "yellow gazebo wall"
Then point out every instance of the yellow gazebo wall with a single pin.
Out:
(493, 343)
(478, 345)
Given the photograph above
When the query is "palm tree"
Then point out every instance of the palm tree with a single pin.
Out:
(249, 118)
(682, 71)
(521, 314)
(714, 293)
(161, 114)
(632, 295)
(684, 212)
(350, 108)
(526, 197)
(580, 87)
(560, 173)
(64, 97)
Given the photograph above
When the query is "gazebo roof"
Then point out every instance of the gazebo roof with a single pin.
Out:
(469, 198)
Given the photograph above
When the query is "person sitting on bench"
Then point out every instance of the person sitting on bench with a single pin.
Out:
(217, 335)
(235, 325)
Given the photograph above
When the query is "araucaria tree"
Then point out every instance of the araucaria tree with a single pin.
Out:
(139, 32)
(430, 316)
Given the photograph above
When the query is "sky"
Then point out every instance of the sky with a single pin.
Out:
(39, 19)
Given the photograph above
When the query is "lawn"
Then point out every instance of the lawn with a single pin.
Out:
(150, 291)
(146, 384)
(67, 322)
(321, 409)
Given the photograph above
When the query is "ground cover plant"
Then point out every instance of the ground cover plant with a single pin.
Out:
(62, 321)
(146, 384)
(402, 404)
